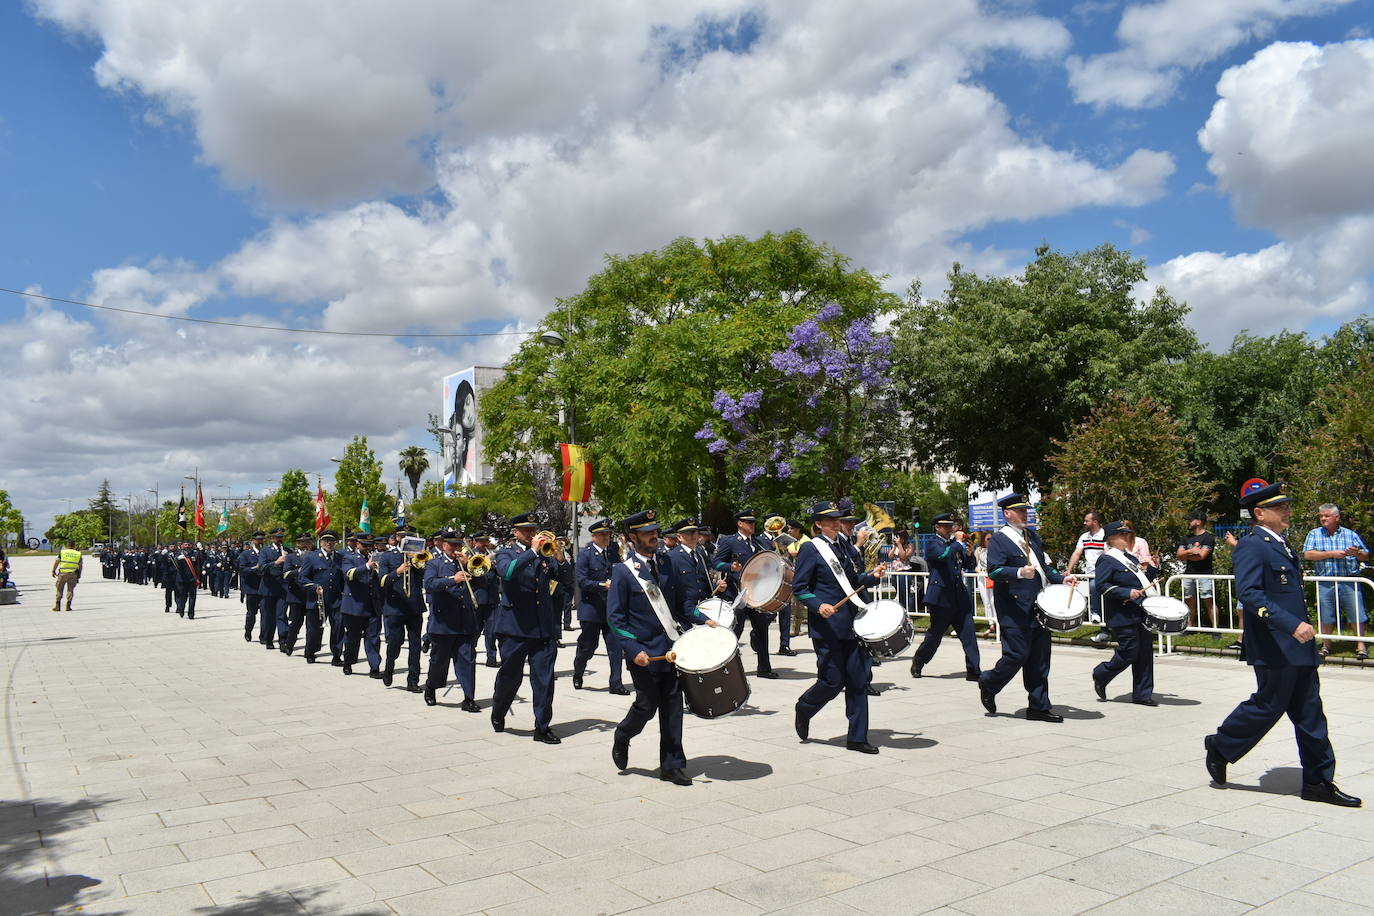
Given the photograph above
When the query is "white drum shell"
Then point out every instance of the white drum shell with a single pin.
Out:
(1164, 614)
(1060, 608)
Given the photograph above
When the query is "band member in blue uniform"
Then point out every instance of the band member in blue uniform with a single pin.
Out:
(644, 591)
(453, 622)
(949, 600)
(322, 579)
(733, 551)
(250, 584)
(527, 623)
(294, 594)
(1019, 569)
(359, 605)
(1280, 646)
(1120, 582)
(185, 580)
(691, 566)
(594, 563)
(402, 585)
(487, 587)
(271, 564)
(826, 575)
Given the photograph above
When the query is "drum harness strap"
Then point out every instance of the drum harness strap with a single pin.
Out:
(1019, 537)
(655, 596)
(1130, 562)
(828, 555)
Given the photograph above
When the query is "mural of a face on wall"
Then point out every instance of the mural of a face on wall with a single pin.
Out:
(462, 422)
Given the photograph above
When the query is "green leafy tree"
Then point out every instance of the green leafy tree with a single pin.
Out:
(112, 518)
(646, 345)
(11, 519)
(292, 505)
(472, 506)
(1128, 460)
(1335, 463)
(359, 475)
(83, 527)
(1000, 367)
(414, 462)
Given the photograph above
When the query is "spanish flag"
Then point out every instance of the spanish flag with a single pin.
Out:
(577, 474)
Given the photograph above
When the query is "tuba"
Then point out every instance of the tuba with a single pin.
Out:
(883, 528)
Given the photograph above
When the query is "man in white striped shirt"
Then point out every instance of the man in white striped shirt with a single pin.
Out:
(1091, 543)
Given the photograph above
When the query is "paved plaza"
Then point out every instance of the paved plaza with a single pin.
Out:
(158, 765)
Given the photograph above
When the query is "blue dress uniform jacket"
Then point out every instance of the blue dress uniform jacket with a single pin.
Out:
(291, 580)
(814, 584)
(321, 570)
(403, 594)
(250, 579)
(947, 562)
(1025, 643)
(632, 616)
(735, 548)
(451, 611)
(1269, 585)
(1010, 593)
(359, 598)
(593, 569)
(692, 576)
(1115, 582)
(527, 607)
(270, 574)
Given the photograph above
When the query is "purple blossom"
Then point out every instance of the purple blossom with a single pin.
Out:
(885, 485)
(787, 361)
(706, 432)
(784, 470)
(803, 444)
(727, 406)
(777, 453)
(813, 400)
(807, 334)
(752, 473)
(751, 400)
(811, 368)
(822, 431)
(859, 336)
(852, 464)
(718, 446)
(835, 363)
(829, 312)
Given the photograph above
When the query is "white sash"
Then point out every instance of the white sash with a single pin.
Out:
(655, 596)
(1022, 540)
(828, 555)
(1130, 563)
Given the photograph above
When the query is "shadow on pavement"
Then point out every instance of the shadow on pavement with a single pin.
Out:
(1169, 699)
(266, 903)
(31, 839)
(728, 769)
(1278, 781)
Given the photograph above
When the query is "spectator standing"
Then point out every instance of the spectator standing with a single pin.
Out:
(980, 556)
(1195, 550)
(1336, 551)
(1089, 549)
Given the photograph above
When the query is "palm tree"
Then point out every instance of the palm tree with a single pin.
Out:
(414, 462)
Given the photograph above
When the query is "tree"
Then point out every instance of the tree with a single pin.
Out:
(359, 475)
(112, 518)
(1335, 463)
(646, 345)
(83, 527)
(1002, 366)
(485, 505)
(1128, 460)
(293, 506)
(414, 462)
(11, 520)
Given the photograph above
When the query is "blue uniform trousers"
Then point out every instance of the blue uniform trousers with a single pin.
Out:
(1134, 650)
(656, 693)
(941, 619)
(489, 633)
(1025, 648)
(283, 621)
(372, 638)
(404, 628)
(785, 626)
(295, 619)
(758, 635)
(186, 600)
(591, 634)
(840, 665)
(1291, 690)
(269, 607)
(443, 651)
(336, 633)
(541, 654)
(167, 589)
(355, 631)
(465, 664)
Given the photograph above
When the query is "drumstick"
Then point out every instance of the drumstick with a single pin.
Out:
(668, 657)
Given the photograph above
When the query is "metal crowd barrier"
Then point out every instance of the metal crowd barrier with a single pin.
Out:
(1347, 627)
(906, 587)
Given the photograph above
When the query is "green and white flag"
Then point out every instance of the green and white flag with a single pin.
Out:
(223, 525)
(365, 518)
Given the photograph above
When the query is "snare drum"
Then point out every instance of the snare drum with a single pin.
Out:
(884, 629)
(1060, 608)
(1164, 614)
(766, 582)
(722, 612)
(709, 668)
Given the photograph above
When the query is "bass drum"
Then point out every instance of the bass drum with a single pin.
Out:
(766, 581)
(710, 670)
(1164, 614)
(719, 610)
(884, 629)
(1060, 608)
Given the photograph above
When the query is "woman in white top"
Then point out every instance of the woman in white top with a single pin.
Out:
(980, 555)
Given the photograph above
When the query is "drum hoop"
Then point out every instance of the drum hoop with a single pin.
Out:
(716, 667)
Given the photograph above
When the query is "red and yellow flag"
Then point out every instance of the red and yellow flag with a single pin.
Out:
(577, 474)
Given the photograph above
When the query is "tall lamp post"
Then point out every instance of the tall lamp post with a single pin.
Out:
(556, 340)
(157, 507)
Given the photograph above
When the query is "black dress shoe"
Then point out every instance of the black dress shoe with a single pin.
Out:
(577, 682)
(547, 737)
(413, 688)
(181, 613)
(972, 674)
(498, 722)
(803, 726)
(917, 666)
(388, 675)
(1147, 701)
(348, 669)
(620, 754)
(1043, 715)
(789, 652)
(247, 637)
(1100, 689)
(336, 661)
(621, 691)
(268, 646)
(1328, 793)
(374, 674)
(469, 705)
(493, 663)
(289, 650)
(1216, 764)
(989, 699)
(310, 659)
(768, 675)
(430, 698)
(872, 691)
(676, 777)
(863, 747)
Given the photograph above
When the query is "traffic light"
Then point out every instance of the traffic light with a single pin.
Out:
(915, 519)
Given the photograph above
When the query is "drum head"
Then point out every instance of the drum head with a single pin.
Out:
(881, 618)
(1061, 601)
(1164, 608)
(722, 612)
(761, 577)
(1082, 587)
(705, 648)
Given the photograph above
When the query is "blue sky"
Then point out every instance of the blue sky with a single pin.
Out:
(456, 166)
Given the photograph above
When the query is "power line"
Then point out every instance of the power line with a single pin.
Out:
(258, 327)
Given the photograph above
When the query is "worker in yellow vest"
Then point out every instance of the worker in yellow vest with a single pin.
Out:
(66, 569)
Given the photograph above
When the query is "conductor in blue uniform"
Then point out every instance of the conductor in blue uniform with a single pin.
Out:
(645, 579)
(528, 624)
(1279, 645)
(594, 564)
(949, 601)
(1019, 570)
(824, 566)
(1120, 582)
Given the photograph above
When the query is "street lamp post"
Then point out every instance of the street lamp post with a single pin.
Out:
(558, 341)
(157, 507)
(196, 478)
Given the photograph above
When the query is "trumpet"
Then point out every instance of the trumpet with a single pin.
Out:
(549, 543)
(418, 560)
(478, 564)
